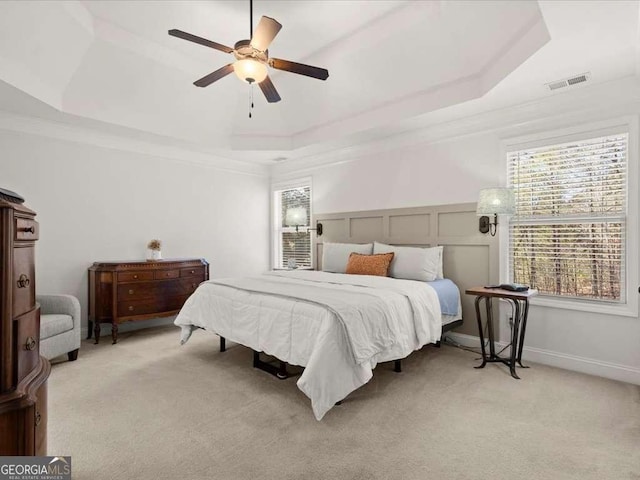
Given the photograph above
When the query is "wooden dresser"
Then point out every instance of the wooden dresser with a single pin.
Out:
(23, 372)
(129, 291)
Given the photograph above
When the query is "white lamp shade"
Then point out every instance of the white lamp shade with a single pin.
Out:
(248, 68)
(296, 216)
(493, 201)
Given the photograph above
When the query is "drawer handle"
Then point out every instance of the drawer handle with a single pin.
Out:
(131, 308)
(31, 344)
(131, 291)
(193, 271)
(23, 281)
(29, 230)
(38, 418)
(135, 276)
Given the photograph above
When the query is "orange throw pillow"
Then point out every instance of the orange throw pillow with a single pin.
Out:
(376, 264)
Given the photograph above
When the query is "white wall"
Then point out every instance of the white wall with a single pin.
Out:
(426, 174)
(453, 171)
(99, 204)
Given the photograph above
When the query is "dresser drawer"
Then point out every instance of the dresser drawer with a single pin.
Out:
(170, 288)
(192, 272)
(150, 306)
(26, 229)
(135, 276)
(165, 274)
(24, 284)
(189, 285)
(27, 333)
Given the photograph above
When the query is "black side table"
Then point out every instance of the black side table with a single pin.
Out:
(520, 302)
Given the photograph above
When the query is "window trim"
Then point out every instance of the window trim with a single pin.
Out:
(275, 228)
(630, 125)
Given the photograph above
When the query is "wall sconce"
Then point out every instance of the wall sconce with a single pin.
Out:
(318, 229)
(297, 217)
(494, 201)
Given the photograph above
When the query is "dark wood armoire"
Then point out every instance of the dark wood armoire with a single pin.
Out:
(23, 372)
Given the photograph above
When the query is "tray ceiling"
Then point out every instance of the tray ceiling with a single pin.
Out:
(394, 66)
(113, 63)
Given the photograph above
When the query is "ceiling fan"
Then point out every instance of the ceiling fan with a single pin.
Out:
(252, 58)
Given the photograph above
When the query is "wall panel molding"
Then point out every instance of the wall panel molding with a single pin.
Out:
(470, 257)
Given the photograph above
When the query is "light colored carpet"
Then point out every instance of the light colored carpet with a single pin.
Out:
(148, 408)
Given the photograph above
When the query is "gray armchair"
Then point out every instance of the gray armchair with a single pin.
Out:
(59, 326)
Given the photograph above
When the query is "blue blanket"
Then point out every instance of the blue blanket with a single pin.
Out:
(448, 294)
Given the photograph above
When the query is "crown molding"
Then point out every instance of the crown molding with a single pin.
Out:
(616, 98)
(72, 133)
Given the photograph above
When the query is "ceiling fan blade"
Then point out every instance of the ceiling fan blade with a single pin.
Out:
(212, 77)
(299, 68)
(264, 33)
(199, 40)
(269, 90)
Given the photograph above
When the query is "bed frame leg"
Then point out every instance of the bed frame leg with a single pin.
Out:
(282, 371)
(397, 366)
(223, 344)
(438, 345)
(279, 372)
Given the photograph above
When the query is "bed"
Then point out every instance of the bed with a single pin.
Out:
(469, 259)
(337, 326)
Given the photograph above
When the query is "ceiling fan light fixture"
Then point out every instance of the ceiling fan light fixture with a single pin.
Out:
(250, 70)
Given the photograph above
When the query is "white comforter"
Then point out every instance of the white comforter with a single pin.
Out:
(337, 326)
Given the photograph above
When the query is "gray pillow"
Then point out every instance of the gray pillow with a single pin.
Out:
(336, 255)
(413, 263)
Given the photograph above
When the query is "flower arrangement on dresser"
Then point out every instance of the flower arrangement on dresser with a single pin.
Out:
(155, 250)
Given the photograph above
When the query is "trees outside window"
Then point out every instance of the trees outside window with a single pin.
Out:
(567, 237)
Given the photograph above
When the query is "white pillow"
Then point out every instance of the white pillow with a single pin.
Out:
(413, 263)
(440, 249)
(336, 255)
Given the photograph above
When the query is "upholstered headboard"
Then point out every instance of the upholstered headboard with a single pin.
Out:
(470, 257)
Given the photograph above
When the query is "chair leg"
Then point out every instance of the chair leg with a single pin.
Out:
(73, 354)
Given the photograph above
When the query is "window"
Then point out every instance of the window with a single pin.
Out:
(568, 237)
(292, 219)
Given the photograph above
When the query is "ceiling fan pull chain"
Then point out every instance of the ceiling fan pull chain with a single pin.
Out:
(250, 99)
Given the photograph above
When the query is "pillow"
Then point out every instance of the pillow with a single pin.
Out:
(336, 255)
(440, 249)
(413, 263)
(359, 264)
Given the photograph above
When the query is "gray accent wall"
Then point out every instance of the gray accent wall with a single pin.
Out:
(470, 257)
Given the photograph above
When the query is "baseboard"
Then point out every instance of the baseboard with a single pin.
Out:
(590, 366)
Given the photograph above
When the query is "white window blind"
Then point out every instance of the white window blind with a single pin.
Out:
(567, 237)
(292, 246)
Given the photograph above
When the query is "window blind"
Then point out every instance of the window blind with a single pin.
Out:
(292, 244)
(567, 237)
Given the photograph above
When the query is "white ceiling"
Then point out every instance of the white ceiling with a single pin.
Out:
(394, 66)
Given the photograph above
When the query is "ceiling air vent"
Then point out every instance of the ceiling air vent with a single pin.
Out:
(567, 82)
